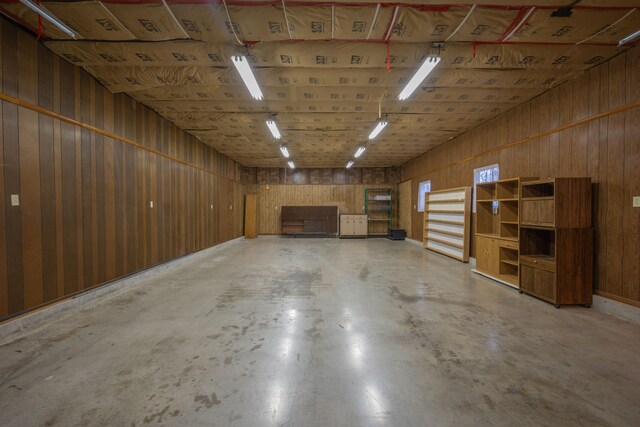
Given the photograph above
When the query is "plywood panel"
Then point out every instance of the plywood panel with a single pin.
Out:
(348, 198)
(85, 216)
(405, 206)
(604, 149)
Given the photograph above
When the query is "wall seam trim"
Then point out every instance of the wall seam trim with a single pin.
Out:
(40, 110)
(528, 138)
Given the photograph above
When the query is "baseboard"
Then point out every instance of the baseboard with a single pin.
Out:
(615, 308)
(12, 328)
(415, 242)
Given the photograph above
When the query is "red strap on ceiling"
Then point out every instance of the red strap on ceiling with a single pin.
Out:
(40, 26)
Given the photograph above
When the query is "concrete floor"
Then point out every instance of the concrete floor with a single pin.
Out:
(315, 332)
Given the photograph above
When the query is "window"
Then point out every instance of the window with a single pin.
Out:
(484, 174)
(423, 187)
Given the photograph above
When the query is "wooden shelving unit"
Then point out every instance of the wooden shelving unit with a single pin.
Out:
(378, 205)
(447, 221)
(556, 241)
(497, 230)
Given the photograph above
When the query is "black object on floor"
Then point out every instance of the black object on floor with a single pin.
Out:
(396, 234)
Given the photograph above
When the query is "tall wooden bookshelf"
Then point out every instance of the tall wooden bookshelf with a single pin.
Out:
(378, 205)
(497, 230)
(556, 240)
(447, 222)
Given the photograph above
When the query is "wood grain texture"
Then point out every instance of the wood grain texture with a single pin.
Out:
(86, 164)
(405, 207)
(348, 198)
(585, 127)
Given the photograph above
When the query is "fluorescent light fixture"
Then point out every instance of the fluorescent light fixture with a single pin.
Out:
(359, 151)
(242, 65)
(349, 164)
(274, 129)
(291, 165)
(285, 152)
(381, 124)
(49, 17)
(422, 73)
(629, 38)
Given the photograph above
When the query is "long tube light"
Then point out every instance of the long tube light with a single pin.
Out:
(242, 65)
(359, 151)
(291, 165)
(427, 66)
(274, 129)
(629, 38)
(284, 151)
(49, 17)
(381, 124)
(349, 164)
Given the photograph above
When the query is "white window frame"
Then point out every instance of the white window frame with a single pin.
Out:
(484, 174)
(421, 198)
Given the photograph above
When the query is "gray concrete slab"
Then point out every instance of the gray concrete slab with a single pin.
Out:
(323, 332)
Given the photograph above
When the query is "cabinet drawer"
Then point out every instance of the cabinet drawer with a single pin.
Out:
(538, 282)
(508, 244)
(545, 263)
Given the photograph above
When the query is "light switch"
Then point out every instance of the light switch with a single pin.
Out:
(151, 204)
(230, 206)
(211, 207)
(15, 200)
(636, 202)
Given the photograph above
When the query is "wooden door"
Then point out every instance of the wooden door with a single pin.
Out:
(405, 207)
(483, 247)
(251, 216)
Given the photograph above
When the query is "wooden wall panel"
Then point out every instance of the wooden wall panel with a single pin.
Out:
(405, 206)
(348, 198)
(85, 216)
(327, 176)
(606, 149)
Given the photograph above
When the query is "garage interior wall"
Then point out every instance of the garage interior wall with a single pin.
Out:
(606, 149)
(85, 215)
(314, 187)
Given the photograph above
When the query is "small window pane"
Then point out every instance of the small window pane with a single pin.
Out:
(423, 187)
(484, 174)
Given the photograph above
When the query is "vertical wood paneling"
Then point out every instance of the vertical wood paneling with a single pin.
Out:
(29, 152)
(4, 284)
(615, 177)
(606, 150)
(85, 216)
(13, 221)
(47, 177)
(631, 215)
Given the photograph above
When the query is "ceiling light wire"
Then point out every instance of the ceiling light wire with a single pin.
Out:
(164, 2)
(286, 20)
(393, 22)
(233, 29)
(374, 20)
(461, 23)
(607, 28)
(116, 20)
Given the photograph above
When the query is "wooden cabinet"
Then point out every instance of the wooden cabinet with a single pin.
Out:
(309, 220)
(487, 255)
(378, 205)
(353, 225)
(498, 213)
(556, 241)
